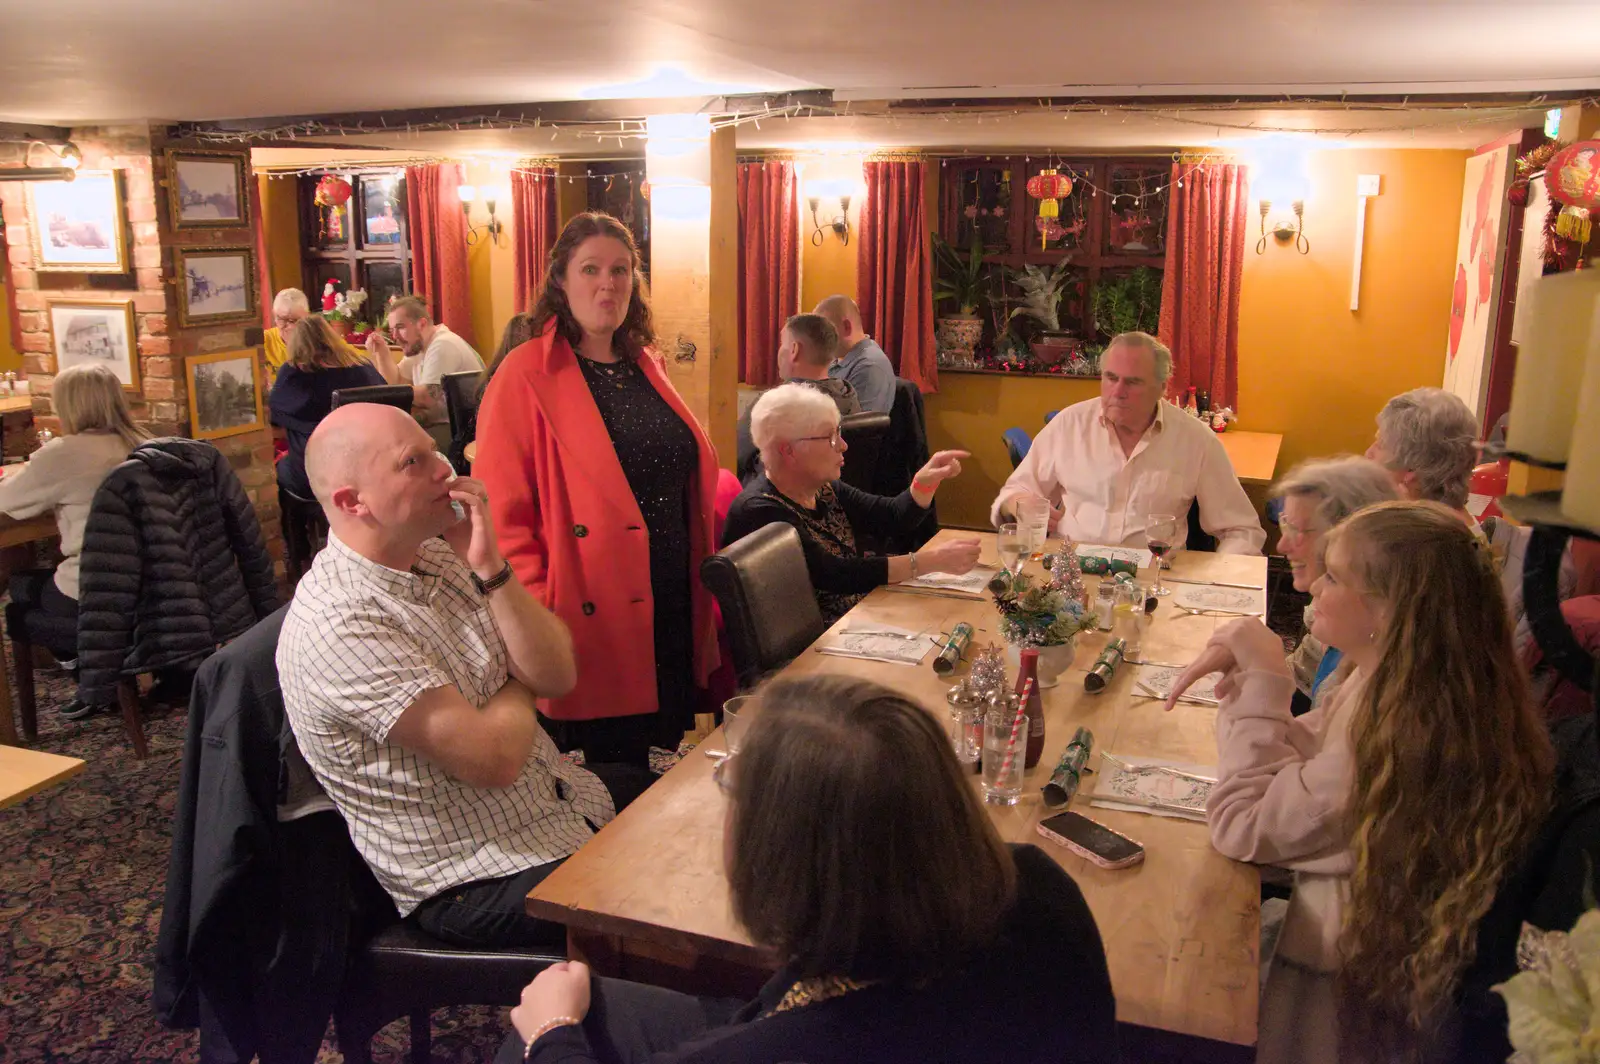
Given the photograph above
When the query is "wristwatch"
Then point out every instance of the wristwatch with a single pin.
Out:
(498, 579)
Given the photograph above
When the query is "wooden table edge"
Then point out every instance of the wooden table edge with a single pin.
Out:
(77, 766)
(583, 920)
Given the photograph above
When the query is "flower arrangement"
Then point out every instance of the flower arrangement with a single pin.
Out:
(1038, 615)
(1554, 1003)
(345, 306)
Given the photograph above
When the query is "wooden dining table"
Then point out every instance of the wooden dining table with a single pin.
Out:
(16, 540)
(647, 898)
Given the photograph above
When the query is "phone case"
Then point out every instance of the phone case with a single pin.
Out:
(1090, 855)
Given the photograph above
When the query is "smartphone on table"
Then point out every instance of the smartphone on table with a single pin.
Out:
(1092, 840)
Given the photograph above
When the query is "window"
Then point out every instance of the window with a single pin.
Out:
(1112, 222)
(362, 243)
(615, 187)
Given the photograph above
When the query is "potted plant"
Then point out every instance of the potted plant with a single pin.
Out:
(345, 312)
(959, 281)
(1128, 302)
(1041, 301)
(1044, 615)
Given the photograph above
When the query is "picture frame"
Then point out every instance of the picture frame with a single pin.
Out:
(215, 284)
(207, 190)
(79, 226)
(96, 330)
(224, 394)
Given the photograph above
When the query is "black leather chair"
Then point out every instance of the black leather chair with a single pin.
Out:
(863, 436)
(769, 609)
(305, 531)
(399, 395)
(1198, 538)
(461, 400)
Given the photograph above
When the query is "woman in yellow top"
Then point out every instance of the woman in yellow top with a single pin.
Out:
(289, 307)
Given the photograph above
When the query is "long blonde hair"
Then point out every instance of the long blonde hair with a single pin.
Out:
(89, 398)
(1452, 767)
(314, 345)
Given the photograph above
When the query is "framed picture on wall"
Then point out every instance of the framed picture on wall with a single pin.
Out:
(77, 226)
(224, 394)
(207, 189)
(96, 332)
(215, 284)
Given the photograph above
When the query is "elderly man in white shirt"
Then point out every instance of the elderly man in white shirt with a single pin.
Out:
(1106, 464)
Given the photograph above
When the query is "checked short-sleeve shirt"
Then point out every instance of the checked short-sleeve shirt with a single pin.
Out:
(360, 643)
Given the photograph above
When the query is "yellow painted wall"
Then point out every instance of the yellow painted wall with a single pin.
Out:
(1311, 368)
(280, 223)
(491, 267)
(10, 358)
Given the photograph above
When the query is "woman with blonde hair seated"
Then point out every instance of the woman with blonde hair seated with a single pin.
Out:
(1402, 802)
(319, 364)
(61, 477)
(856, 851)
(1317, 495)
(796, 429)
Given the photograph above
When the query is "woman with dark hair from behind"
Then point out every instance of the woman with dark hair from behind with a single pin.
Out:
(602, 486)
(858, 853)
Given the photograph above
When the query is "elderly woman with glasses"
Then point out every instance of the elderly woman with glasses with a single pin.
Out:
(1428, 440)
(796, 429)
(1317, 495)
(289, 308)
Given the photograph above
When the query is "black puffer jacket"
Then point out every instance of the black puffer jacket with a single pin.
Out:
(173, 564)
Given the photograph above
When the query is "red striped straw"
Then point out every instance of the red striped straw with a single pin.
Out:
(1016, 729)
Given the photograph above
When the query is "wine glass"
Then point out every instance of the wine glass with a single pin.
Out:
(1013, 547)
(1161, 531)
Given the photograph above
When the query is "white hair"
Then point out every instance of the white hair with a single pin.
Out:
(789, 412)
(291, 301)
(1430, 433)
(1340, 486)
(1158, 351)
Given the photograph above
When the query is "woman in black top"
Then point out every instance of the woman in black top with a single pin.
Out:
(319, 364)
(908, 931)
(797, 431)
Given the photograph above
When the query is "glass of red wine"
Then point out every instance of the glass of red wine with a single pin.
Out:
(1161, 533)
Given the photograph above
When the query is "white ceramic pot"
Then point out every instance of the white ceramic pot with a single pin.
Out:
(1053, 662)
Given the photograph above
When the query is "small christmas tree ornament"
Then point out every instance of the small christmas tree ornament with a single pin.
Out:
(988, 672)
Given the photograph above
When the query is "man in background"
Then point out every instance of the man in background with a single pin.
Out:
(432, 351)
(807, 346)
(861, 361)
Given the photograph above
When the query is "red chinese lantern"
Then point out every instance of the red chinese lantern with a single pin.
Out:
(332, 191)
(1049, 187)
(1573, 177)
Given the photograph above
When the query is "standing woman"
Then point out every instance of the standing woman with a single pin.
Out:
(602, 486)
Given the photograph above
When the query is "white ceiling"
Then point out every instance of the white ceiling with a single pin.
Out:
(87, 61)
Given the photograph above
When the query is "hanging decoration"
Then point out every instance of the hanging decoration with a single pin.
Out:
(1528, 164)
(333, 192)
(1573, 177)
(1049, 187)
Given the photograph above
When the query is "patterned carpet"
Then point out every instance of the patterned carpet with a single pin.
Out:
(81, 887)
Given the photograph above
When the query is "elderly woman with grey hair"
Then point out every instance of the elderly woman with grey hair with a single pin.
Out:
(796, 429)
(1428, 440)
(1317, 495)
(289, 308)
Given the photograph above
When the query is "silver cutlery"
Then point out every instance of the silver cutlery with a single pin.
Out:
(1215, 583)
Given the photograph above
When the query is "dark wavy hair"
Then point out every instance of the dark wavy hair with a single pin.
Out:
(636, 332)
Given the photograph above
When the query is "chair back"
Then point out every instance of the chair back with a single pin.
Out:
(461, 393)
(1198, 538)
(769, 608)
(1018, 443)
(1048, 414)
(398, 395)
(863, 435)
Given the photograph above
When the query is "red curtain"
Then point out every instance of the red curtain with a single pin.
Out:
(263, 268)
(533, 223)
(1200, 287)
(438, 233)
(769, 266)
(894, 265)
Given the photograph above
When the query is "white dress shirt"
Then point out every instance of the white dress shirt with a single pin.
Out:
(1078, 462)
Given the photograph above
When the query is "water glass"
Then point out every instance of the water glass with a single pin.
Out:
(1013, 547)
(736, 714)
(1002, 757)
(1033, 514)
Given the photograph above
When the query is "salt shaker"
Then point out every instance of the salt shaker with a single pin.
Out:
(1105, 604)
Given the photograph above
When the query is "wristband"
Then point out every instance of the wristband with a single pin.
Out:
(497, 580)
(545, 1028)
(913, 557)
(922, 485)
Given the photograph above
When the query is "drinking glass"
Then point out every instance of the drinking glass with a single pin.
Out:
(1013, 547)
(1002, 758)
(1033, 514)
(736, 714)
(1161, 533)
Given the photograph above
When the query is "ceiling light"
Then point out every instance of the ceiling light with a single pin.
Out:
(71, 157)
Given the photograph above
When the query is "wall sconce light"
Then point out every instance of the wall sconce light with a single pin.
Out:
(68, 155)
(1282, 231)
(492, 228)
(840, 225)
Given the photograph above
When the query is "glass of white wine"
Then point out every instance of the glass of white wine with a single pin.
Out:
(1012, 544)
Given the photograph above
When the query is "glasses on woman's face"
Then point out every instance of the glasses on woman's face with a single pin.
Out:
(834, 440)
(285, 321)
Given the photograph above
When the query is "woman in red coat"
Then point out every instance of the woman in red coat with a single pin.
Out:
(602, 487)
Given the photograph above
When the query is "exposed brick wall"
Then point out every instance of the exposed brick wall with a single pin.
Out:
(162, 405)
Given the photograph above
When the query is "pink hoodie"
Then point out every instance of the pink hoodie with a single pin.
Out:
(1284, 788)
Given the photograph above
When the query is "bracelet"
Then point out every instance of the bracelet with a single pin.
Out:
(913, 557)
(545, 1028)
(920, 485)
(497, 580)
